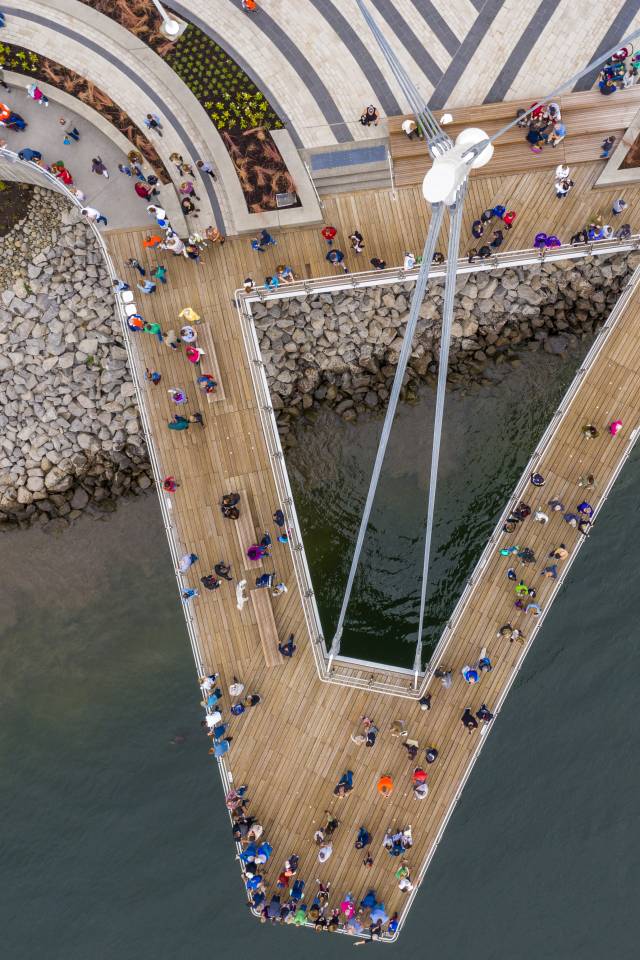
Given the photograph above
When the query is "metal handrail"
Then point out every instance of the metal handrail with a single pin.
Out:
(392, 275)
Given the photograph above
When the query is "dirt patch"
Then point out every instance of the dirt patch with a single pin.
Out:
(15, 199)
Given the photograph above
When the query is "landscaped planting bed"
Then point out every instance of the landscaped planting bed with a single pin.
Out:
(234, 104)
(31, 64)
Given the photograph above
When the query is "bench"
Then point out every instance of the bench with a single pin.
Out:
(261, 602)
(245, 531)
(209, 364)
(589, 118)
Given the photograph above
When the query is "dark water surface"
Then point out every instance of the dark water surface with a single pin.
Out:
(114, 843)
(490, 432)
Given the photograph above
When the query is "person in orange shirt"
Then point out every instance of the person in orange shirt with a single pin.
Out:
(249, 5)
(153, 240)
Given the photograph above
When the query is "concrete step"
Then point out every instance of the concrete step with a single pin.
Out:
(349, 167)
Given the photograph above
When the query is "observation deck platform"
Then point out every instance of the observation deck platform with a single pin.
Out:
(294, 746)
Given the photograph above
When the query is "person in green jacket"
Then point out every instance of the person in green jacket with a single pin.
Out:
(153, 328)
(178, 423)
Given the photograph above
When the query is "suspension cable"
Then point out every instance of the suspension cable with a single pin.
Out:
(455, 215)
(430, 126)
(437, 215)
(479, 147)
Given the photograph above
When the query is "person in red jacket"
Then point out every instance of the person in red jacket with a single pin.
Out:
(144, 191)
(329, 233)
(508, 219)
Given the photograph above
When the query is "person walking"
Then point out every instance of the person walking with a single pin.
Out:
(170, 484)
(160, 273)
(378, 264)
(619, 206)
(357, 241)
(204, 166)
(93, 215)
(97, 166)
(152, 122)
(147, 287)
(153, 328)
(187, 189)
(35, 93)
(336, 257)
(329, 234)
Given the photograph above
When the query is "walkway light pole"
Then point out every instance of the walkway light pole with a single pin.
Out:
(170, 27)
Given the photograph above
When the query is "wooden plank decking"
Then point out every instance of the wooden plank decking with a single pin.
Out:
(589, 118)
(292, 748)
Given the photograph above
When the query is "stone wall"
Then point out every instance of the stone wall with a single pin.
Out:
(70, 438)
(342, 349)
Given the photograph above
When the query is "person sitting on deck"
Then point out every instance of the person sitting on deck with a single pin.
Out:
(265, 580)
(344, 784)
(289, 648)
(257, 551)
(207, 383)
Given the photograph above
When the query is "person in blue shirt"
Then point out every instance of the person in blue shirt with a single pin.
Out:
(336, 257)
(29, 154)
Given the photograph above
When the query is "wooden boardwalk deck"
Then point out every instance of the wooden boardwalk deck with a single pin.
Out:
(292, 748)
(589, 118)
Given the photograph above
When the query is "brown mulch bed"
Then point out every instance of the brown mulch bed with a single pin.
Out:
(14, 203)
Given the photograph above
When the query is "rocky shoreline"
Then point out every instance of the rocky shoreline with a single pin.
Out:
(70, 435)
(341, 350)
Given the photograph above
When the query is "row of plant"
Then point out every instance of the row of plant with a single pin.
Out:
(229, 96)
(232, 101)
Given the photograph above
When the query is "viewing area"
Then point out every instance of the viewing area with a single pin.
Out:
(295, 745)
(589, 117)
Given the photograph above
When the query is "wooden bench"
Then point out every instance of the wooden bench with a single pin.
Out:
(589, 118)
(261, 602)
(209, 364)
(245, 531)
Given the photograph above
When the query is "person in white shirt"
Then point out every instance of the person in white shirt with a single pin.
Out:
(156, 212)
(409, 261)
(211, 719)
(410, 129)
(562, 172)
(325, 852)
(93, 215)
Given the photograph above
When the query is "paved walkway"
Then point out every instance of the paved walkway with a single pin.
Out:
(321, 67)
(115, 197)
